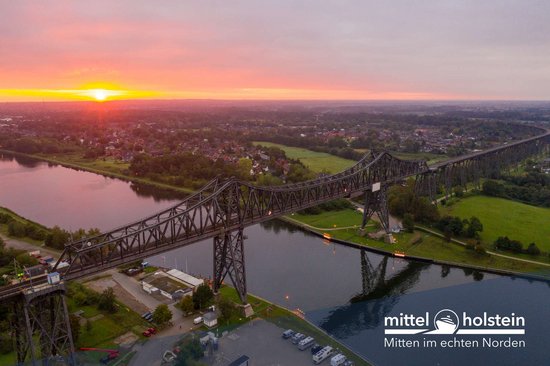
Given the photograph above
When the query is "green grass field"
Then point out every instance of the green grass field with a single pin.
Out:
(331, 219)
(315, 161)
(428, 246)
(501, 217)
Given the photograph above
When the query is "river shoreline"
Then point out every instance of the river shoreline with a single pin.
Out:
(106, 173)
(416, 258)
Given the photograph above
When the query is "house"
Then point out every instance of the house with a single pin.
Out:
(159, 282)
(210, 319)
(186, 279)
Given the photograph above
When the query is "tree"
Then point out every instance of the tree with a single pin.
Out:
(244, 166)
(162, 314)
(190, 353)
(227, 308)
(492, 188)
(408, 222)
(106, 301)
(57, 238)
(202, 296)
(186, 305)
(474, 227)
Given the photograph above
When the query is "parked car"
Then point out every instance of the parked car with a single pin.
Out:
(148, 333)
(297, 338)
(288, 333)
(197, 320)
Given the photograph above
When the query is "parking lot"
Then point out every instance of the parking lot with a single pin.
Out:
(262, 342)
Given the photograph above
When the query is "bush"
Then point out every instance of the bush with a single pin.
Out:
(106, 301)
(532, 249)
(504, 243)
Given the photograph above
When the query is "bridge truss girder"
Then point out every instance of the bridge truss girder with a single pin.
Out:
(41, 327)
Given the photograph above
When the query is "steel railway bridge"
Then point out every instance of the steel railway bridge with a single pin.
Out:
(221, 210)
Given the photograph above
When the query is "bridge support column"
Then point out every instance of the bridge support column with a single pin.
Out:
(376, 202)
(42, 328)
(229, 259)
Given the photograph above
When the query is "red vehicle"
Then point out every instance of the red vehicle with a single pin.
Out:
(149, 332)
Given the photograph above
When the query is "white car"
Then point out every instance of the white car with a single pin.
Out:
(197, 320)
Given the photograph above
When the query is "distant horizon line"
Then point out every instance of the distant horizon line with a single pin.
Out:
(272, 100)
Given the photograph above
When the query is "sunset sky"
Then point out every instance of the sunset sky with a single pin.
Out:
(67, 50)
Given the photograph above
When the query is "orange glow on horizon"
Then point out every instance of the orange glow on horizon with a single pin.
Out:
(106, 92)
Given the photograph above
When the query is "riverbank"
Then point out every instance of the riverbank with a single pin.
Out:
(423, 247)
(107, 168)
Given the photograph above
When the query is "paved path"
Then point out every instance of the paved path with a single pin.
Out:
(487, 251)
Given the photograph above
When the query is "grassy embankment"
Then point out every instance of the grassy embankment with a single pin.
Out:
(502, 217)
(284, 319)
(418, 243)
(24, 221)
(316, 161)
(108, 167)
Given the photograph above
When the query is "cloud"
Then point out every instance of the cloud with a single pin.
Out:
(456, 49)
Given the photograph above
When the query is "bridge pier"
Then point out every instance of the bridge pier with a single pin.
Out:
(229, 259)
(41, 326)
(376, 201)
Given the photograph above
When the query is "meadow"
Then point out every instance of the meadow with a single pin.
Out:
(316, 161)
(502, 217)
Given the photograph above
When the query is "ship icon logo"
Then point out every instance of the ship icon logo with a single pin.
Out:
(445, 322)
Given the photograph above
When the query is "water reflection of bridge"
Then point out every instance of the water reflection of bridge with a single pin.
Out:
(379, 294)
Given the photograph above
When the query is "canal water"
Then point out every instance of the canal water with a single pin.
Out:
(345, 291)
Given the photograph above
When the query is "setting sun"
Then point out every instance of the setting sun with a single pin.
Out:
(100, 95)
